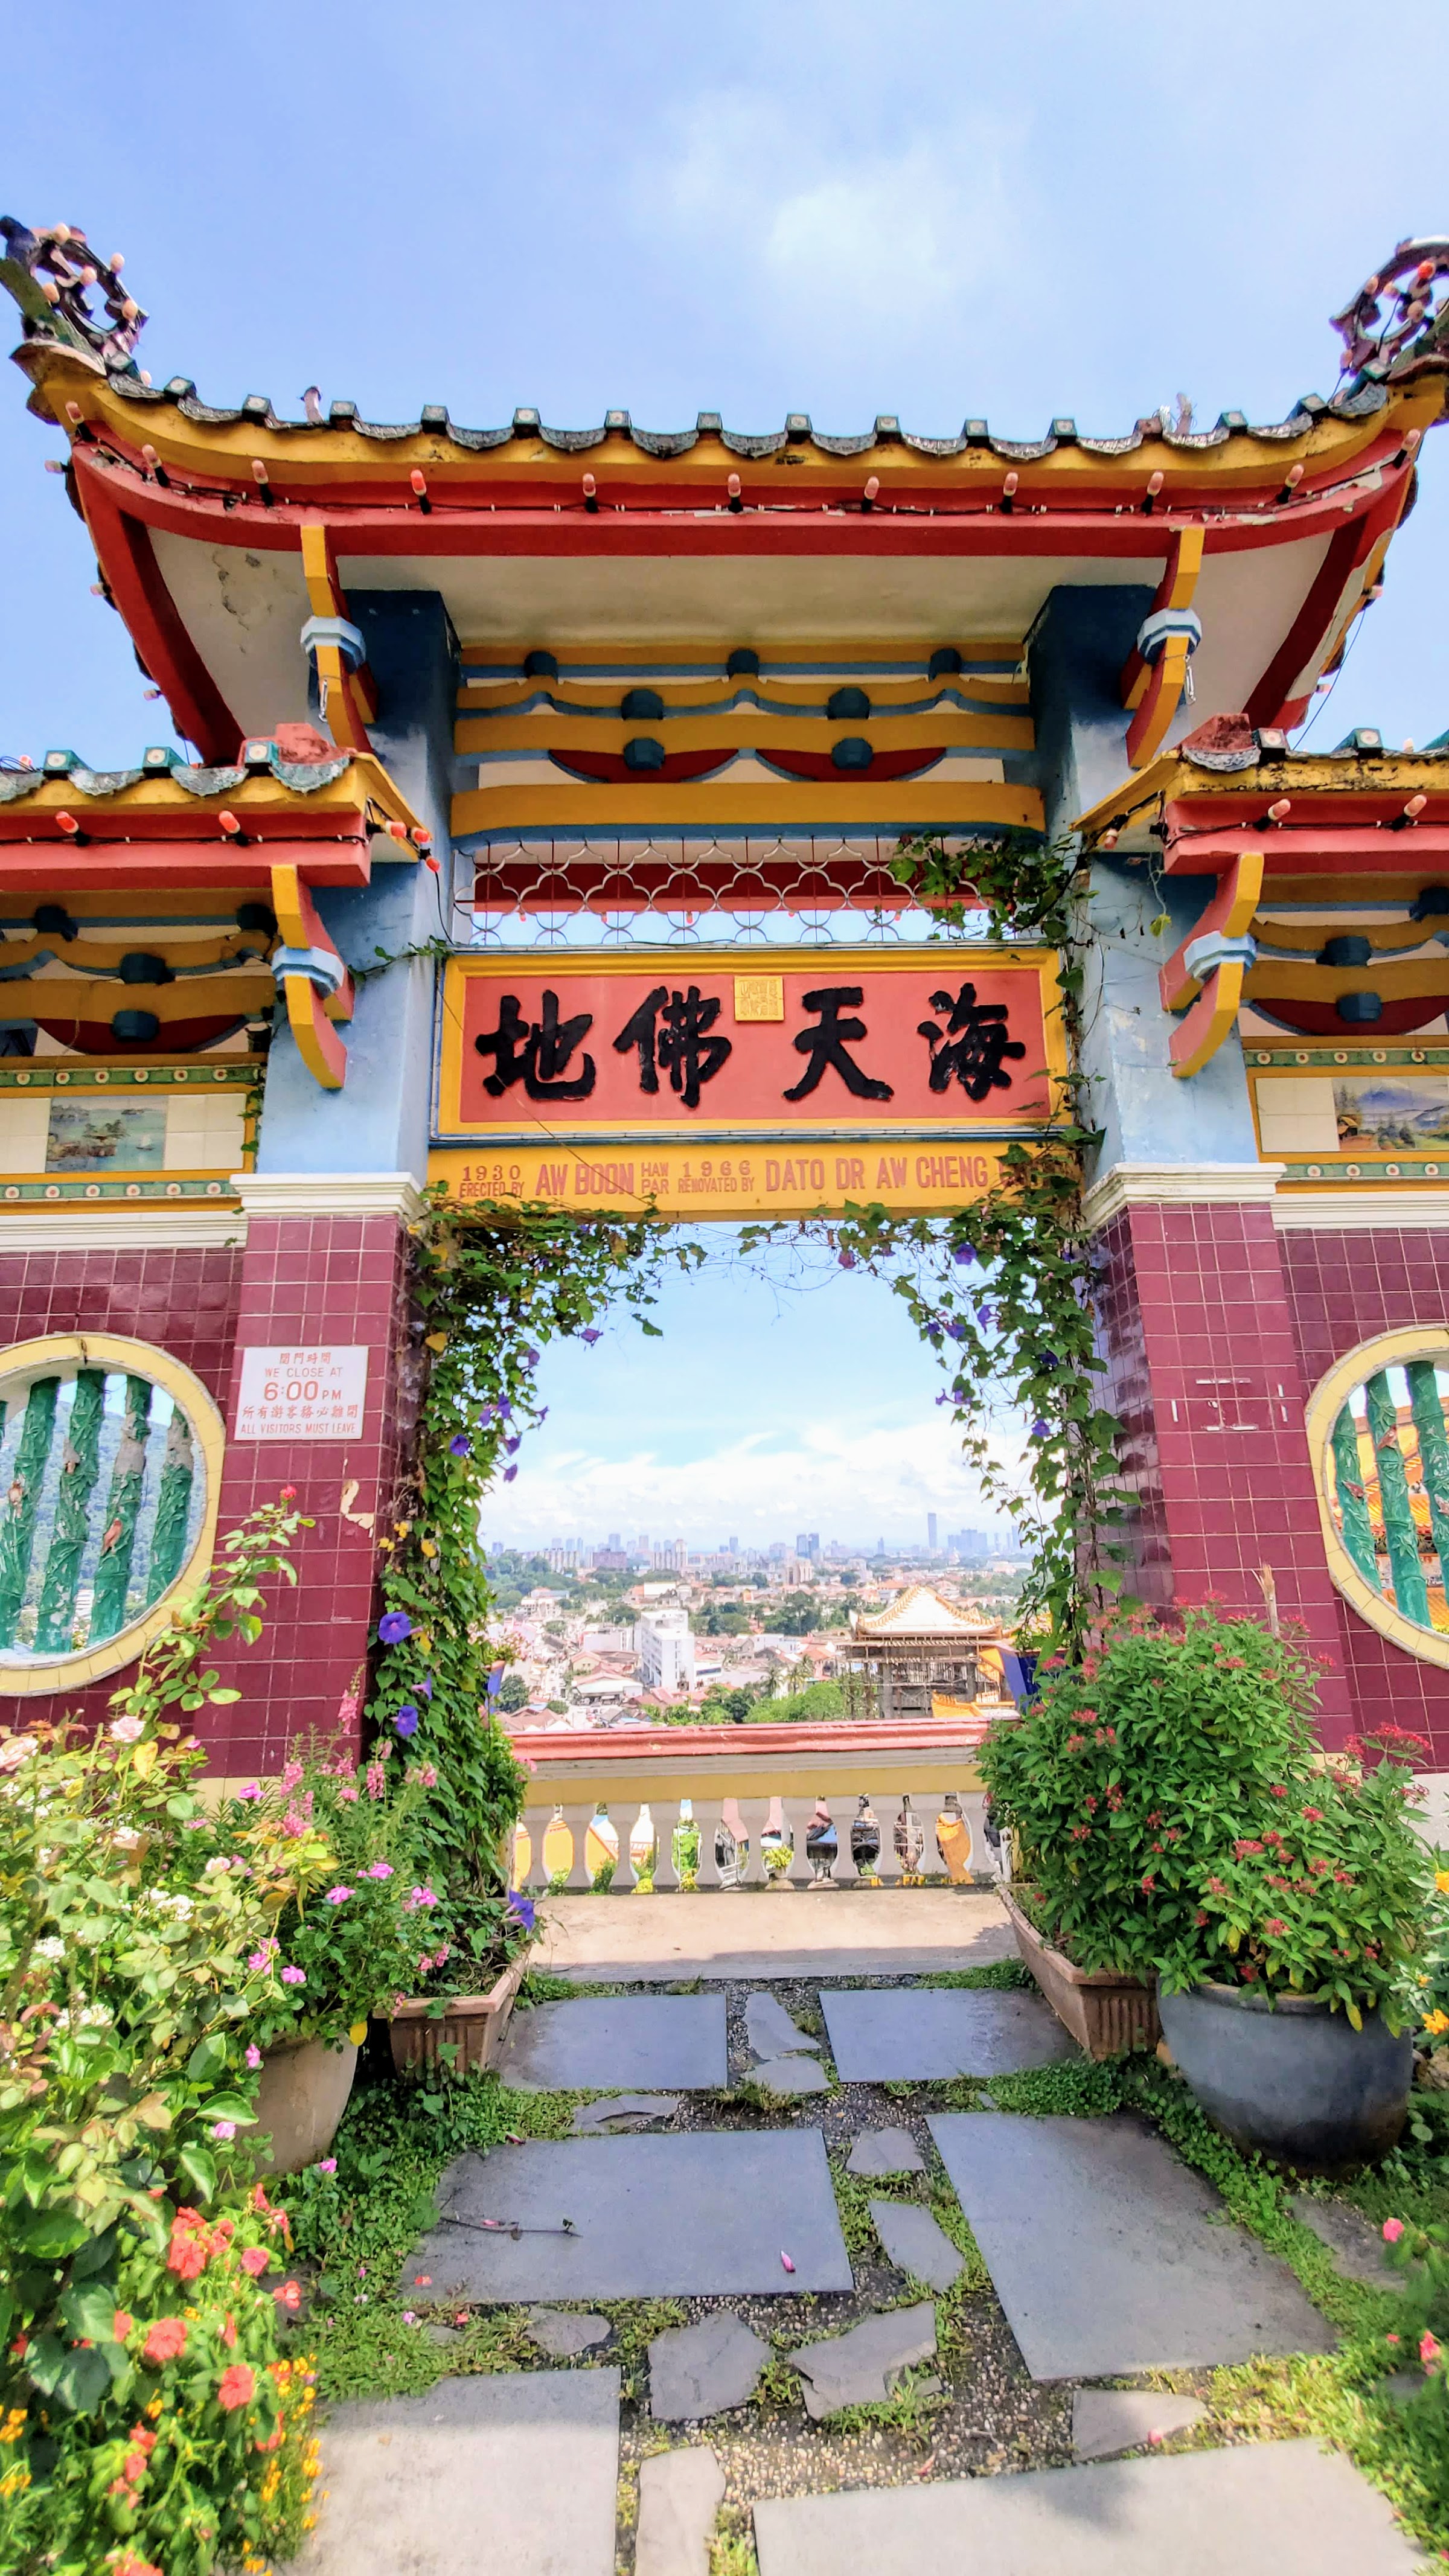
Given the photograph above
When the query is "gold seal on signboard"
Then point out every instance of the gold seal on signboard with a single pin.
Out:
(759, 997)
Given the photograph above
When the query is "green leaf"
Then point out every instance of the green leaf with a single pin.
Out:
(83, 2382)
(89, 2314)
(45, 2360)
(201, 2167)
(230, 2106)
(52, 2234)
(206, 2059)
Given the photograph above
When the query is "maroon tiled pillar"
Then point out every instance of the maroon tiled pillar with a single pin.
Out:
(1197, 1330)
(332, 1273)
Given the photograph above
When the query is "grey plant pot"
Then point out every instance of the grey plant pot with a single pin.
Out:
(1291, 2078)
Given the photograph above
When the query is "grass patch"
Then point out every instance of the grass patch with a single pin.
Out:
(732, 2547)
(540, 1987)
(908, 2410)
(1000, 1976)
(636, 2322)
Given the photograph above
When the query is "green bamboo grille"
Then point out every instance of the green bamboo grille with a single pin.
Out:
(1389, 1452)
(103, 1492)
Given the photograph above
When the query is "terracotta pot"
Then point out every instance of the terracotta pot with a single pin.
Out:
(1108, 2014)
(472, 2024)
(302, 2096)
(1291, 2078)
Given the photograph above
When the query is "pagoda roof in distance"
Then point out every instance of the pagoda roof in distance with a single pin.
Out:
(918, 1613)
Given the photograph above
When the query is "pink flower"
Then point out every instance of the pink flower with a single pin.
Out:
(376, 1779)
(223, 2129)
(1393, 2230)
(379, 1869)
(1429, 2350)
(253, 1789)
(348, 1793)
(338, 1895)
(254, 2055)
(292, 1775)
(416, 1897)
(235, 2387)
(255, 2260)
(166, 2340)
(294, 1976)
(328, 2164)
(125, 1730)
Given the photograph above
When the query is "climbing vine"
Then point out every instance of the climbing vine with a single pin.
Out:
(490, 1290)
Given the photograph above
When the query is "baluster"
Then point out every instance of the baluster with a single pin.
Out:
(538, 1821)
(578, 1821)
(709, 1816)
(17, 1535)
(70, 1531)
(844, 1873)
(666, 1820)
(754, 1815)
(123, 1510)
(795, 1814)
(634, 1872)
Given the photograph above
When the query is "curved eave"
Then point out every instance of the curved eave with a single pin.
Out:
(332, 465)
(157, 806)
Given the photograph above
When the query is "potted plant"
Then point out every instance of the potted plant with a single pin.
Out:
(1177, 1821)
(362, 1934)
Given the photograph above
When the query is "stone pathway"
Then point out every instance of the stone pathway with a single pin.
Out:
(1110, 2256)
(617, 2040)
(799, 2388)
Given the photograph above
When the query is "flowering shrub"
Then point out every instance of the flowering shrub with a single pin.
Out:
(362, 1924)
(1175, 1818)
(1422, 2253)
(133, 1959)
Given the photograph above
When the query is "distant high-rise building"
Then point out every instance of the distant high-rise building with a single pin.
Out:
(613, 1538)
(807, 1543)
(969, 1543)
(880, 1547)
(931, 1532)
(732, 1547)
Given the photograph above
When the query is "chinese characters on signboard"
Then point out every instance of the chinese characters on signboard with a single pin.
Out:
(880, 1043)
(316, 1391)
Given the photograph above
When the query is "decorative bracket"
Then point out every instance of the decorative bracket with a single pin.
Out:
(1154, 674)
(311, 978)
(1208, 967)
(334, 645)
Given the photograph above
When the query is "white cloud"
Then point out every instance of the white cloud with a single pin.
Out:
(817, 235)
(847, 1484)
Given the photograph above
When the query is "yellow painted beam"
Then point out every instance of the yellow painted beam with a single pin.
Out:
(805, 696)
(1284, 979)
(820, 655)
(782, 805)
(50, 996)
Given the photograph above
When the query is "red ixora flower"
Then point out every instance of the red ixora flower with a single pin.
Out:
(1148, 1885)
(1277, 1793)
(1075, 1743)
(236, 2387)
(190, 2245)
(1217, 1887)
(1242, 1849)
(1313, 1815)
(1276, 1926)
(1080, 1833)
(166, 2340)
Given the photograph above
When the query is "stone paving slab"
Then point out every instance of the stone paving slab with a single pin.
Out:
(915, 2244)
(789, 2076)
(697, 2215)
(563, 2333)
(624, 2111)
(680, 2492)
(764, 1932)
(701, 2369)
(771, 2032)
(1109, 2256)
(618, 2040)
(1108, 2420)
(923, 2035)
(1264, 2509)
(1356, 2244)
(878, 2152)
(862, 2367)
(517, 2470)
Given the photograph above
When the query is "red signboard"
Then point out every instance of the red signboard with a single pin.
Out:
(829, 1040)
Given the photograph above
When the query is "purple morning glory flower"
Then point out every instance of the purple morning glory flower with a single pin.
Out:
(521, 1907)
(406, 1720)
(530, 1359)
(845, 1260)
(943, 1398)
(486, 1416)
(590, 1333)
(393, 1626)
(957, 1330)
(426, 1686)
(505, 1409)
(460, 1446)
(509, 1446)
(542, 1415)
(508, 1474)
(964, 1254)
(1041, 1430)
(984, 1316)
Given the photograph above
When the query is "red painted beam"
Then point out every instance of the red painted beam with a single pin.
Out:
(154, 623)
(57, 867)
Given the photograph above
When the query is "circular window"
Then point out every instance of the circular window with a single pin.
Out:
(110, 1456)
(1378, 1433)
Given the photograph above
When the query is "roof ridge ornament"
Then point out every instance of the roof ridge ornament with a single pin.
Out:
(1412, 337)
(52, 275)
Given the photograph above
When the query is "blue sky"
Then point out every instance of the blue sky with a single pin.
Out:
(941, 210)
